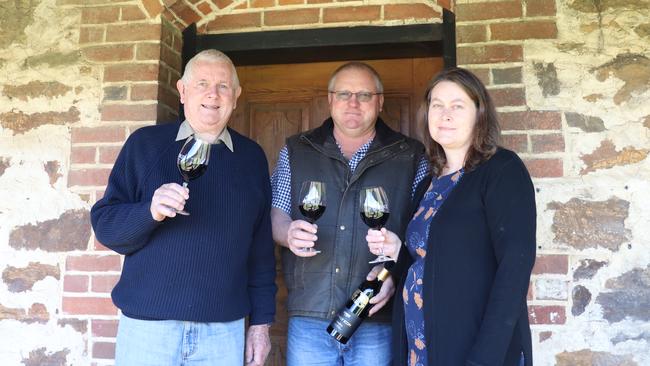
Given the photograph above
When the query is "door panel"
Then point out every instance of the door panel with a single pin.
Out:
(271, 123)
(396, 113)
(278, 101)
(320, 110)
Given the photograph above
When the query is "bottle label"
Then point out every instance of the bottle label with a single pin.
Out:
(352, 314)
(346, 322)
(360, 300)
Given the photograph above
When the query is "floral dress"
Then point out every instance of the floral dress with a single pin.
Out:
(417, 235)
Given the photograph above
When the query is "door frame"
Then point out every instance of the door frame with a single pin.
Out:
(329, 44)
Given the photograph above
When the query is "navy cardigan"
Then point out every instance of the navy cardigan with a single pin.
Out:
(480, 255)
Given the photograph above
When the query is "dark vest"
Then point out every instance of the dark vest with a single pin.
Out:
(320, 285)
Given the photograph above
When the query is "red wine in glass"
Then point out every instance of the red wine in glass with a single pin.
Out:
(312, 204)
(375, 219)
(193, 161)
(373, 203)
(311, 213)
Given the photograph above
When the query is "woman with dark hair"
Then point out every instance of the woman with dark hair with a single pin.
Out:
(470, 246)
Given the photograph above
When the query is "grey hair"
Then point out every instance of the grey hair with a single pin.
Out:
(356, 65)
(210, 55)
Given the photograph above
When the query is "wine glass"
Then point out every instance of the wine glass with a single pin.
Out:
(373, 203)
(312, 204)
(193, 161)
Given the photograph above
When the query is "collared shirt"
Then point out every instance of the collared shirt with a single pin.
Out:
(186, 130)
(281, 178)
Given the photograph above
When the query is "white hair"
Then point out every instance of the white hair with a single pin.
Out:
(210, 55)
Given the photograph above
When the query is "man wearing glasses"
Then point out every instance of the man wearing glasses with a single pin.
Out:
(351, 150)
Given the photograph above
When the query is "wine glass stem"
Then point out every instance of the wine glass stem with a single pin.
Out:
(184, 184)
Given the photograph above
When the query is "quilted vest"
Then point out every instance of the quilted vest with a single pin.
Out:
(318, 286)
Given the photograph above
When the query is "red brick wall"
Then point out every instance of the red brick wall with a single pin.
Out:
(135, 49)
(137, 58)
(490, 40)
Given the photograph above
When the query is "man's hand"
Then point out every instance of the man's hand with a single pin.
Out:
(167, 199)
(301, 235)
(293, 234)
(258, 344)
(385, 293)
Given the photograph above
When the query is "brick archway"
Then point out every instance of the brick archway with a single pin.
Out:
(134, 50)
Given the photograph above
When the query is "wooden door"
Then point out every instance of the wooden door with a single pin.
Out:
(278, 101)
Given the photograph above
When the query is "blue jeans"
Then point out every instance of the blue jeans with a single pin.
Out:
(178, 343)
(309, 344)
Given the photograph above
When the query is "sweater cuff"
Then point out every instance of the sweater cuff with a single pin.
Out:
(144, 215)
(261, 318)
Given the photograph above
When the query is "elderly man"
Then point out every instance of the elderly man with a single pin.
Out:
(351, 150)
(188, 282)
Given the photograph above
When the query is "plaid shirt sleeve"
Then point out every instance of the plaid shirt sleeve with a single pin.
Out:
(281, 182)
(423, 170)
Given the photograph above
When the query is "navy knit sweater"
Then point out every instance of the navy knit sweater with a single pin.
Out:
(215, 265)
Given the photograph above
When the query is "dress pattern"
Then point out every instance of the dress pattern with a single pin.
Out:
(417, 235)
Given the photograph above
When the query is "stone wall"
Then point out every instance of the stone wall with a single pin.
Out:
(583, 68)
(571, 79)
(597, 72)
(44, 90)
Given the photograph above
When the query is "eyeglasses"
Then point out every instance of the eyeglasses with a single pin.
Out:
(362, 96)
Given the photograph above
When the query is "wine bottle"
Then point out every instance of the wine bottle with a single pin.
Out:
(356, 309)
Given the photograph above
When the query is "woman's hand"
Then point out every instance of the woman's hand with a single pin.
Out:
(384, 242)
(385, 292)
